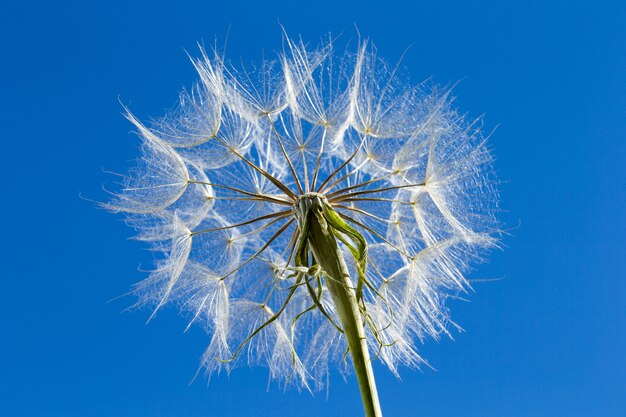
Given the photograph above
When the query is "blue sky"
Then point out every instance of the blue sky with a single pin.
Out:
(547, 339)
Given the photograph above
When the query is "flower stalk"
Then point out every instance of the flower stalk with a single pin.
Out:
(314, 212)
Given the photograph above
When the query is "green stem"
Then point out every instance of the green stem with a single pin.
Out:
(328, 255)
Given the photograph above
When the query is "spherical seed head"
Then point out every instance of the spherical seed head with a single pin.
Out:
(226, 180)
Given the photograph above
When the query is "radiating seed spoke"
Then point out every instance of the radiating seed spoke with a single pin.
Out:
(266, 197)
(377, 190)
(291, 247)
(352, 187)
(260, 170)
(282, 148)
(265, 226)
(251, 199)
(280, 215)
(343, 165)
(265, 246)
(265, 324)
(377, 199)
(319, 160)
(364, 212)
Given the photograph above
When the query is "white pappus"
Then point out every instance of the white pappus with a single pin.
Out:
(227, 186)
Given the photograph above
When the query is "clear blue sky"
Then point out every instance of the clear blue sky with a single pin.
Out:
(548, 339)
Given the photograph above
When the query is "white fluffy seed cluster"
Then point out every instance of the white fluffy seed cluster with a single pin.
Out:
(218, 177)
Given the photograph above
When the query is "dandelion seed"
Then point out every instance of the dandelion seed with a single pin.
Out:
(314, 208)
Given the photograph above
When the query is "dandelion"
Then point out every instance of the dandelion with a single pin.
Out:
(316, 209)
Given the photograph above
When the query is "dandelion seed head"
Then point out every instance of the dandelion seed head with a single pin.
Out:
(225, 180)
